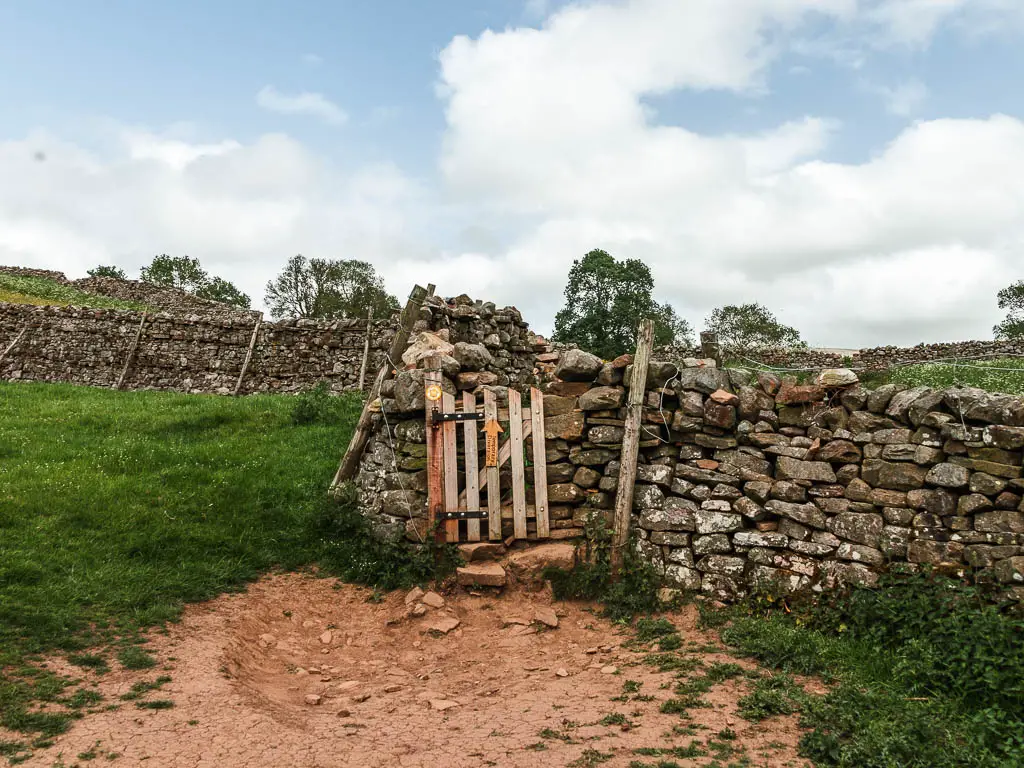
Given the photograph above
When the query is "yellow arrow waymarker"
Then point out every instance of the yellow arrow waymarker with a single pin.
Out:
(491, 430)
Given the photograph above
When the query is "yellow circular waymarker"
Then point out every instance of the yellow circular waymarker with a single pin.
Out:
(433, 393)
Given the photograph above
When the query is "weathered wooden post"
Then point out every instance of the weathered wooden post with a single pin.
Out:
(366, 349)
(248, 354)
(432, 393)
(710, 349)
(631, 445)
(131, 353)
(350, 462)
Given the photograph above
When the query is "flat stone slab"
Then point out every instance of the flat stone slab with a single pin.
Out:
(481, 550)
(485, 574)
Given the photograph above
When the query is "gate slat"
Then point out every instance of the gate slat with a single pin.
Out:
(492, 476)
(472, 478)
(515, 415)
(504, 451)
(451, 467)
(540, 464)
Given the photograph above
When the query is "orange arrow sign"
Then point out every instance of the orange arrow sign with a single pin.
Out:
(491, 430)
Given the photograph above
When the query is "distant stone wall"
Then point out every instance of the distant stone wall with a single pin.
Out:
(171, 300)
(755, 484)
(26, 272)
(205, 354)
(869, 359)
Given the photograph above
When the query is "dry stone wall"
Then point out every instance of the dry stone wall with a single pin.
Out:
(757, 483)
(199, 353)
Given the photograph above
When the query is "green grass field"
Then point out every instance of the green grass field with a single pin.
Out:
(116, 508)
(40, 291)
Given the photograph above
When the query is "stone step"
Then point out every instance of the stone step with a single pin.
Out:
(529, 564)
(484, 574)
(478, 551)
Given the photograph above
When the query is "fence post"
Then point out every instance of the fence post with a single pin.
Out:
(710, 348)
(131, 353)
(14, 343)
(248, 354)
(631, 445)
(354, 452)
(366, 349)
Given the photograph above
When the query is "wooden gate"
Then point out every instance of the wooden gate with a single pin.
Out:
(460, 508)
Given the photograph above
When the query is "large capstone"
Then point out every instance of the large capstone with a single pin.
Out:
(577, 365)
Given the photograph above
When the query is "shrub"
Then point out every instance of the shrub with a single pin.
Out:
(636, 591)
(351, 549)
(316, 406)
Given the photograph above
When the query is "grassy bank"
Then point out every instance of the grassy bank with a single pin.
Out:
(925, 673)
(40, 291)
(116, 508)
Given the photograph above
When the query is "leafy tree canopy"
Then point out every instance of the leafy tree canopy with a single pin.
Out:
(605, 300)
(324, 288)
(102, 271)
(749, 327)
(1011, 298)
(187, 274)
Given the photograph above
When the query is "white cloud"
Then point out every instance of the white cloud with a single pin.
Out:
(549, 152)
(547, 129)
(305, 103)
(903, 99)
(312, 59)
(241, 209)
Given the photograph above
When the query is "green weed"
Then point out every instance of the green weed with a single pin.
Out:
(635, 593)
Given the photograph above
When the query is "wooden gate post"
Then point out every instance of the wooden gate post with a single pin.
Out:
(435, 450)
(631, 445)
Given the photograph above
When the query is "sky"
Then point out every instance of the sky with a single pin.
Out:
(857, 166)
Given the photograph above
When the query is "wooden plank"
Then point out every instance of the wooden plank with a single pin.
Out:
(131, 352)
(504, 453)
(366, 349)
(491, 477)
(630, 446)
(449, 439)
(540, 463)
(472, 479)
(435, 499)
(350, 461)
(248, 354)
(515, 412)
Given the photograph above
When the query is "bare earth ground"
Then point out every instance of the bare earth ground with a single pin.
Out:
(393, 693)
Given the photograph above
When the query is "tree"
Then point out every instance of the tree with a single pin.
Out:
(323, 288)
(187, 274)
(750, 327)
(218, 289)
(1011, 298)
(180, 272)
(605, 300)
(102, 271)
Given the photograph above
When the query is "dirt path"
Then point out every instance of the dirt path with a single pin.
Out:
(299, 671)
